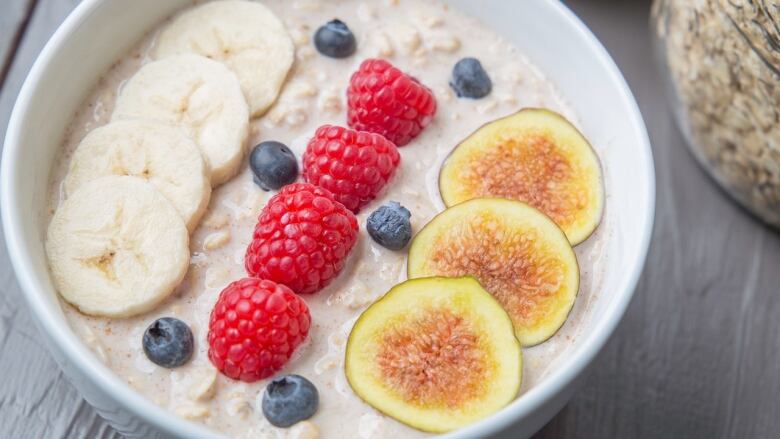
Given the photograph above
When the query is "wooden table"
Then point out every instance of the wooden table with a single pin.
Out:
(697, 354)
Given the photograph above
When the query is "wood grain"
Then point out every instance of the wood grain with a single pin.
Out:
(695, 356)
(13, 20)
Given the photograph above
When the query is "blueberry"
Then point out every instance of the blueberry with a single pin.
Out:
(389, 226)
(168, 342)
(289, 399)
(469, 79)
(273, 165)
(335, 40)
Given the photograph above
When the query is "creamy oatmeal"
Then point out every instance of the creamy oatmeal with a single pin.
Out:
(425, 39)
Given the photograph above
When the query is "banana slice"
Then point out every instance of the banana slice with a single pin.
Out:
(117, 247)
(245, 35)
(158, 152)
(199, 94)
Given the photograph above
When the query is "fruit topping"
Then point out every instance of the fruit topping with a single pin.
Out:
(160, 153)
(244, 35)
(198, 94)
(435, 353)
(389, 226)
(273, 165)
(517, 253)
(384, 100)
(354, 166)
(288, 400)
(470, 80)
(117, 247)
(255, 327)
(168, 342)
(535, 156)
(302, 238)
(334, 39)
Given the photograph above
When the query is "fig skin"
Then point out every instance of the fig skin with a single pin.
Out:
(575, 151)
(546, 312)
(415, 299)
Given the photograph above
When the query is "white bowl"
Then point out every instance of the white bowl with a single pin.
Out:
(100, 31)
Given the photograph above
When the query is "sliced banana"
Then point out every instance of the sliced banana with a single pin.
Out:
(199, 94)
(245, 35)
(158, 152)
(117, 247)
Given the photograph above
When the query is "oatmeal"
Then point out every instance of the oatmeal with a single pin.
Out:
(724, 63)
(424, 39)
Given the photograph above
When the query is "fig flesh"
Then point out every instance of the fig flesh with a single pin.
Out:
(516, 252)
(435, 353)
(535, 156)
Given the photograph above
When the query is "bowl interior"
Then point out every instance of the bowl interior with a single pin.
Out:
(544, 30)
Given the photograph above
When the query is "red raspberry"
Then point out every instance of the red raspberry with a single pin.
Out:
(386, 101)
(255, 327)
(354, 166)
(302, 238)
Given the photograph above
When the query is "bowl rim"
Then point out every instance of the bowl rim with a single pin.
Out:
(77, 355)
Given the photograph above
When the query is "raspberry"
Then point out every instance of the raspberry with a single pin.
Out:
(255, 327)
(354, 166)
(386, 101)
(302, 238)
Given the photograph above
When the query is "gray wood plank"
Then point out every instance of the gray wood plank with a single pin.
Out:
(13, 20)
(695, 356)
(36, 400)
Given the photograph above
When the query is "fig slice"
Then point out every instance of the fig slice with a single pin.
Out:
(435, 353)
(535, 156)
(516, 252)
